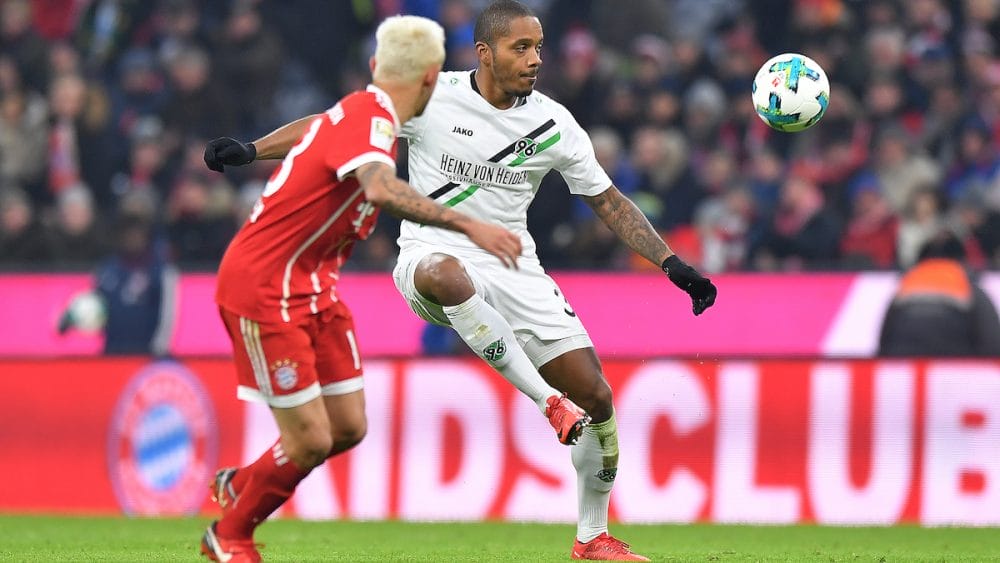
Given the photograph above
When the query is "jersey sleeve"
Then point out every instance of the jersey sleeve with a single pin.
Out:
(583, 174)
(362, 132)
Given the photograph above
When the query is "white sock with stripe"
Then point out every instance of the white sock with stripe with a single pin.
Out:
(490, 336)
(595, 458)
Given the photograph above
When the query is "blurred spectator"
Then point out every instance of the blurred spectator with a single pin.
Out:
(76, 238)
(147, 162)
(921, 220)
(939, 310)
(900, 169)
(54, 20)
(141, 90)
(984, 14)
(977, 169)
(842, 156)
(23, 139)
(869, 240)
(803, 234)
(766, 171)
(63, 59)
(981, 226)
(22, 239)
(576, 81)
(727, 228)
(78, 150)
(611, 154)
(621, 109)
(199, 219)
(138, 287)
(704, 111)
(942, 122)
(19, 39)
(180, 29)
(651, 61)
(248, 56)
(459, 21)
(198, 106)
(107, 27)
(668, 191)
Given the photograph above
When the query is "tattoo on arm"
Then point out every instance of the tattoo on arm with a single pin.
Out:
(400, 199)
(629, 223)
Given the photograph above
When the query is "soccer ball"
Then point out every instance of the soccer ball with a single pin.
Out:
(87, 312)
(791, 92)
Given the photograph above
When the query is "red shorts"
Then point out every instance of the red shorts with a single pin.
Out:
(289, 364)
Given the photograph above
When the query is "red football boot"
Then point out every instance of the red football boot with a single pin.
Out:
(568, 419)
(228, 551)
(605, 548)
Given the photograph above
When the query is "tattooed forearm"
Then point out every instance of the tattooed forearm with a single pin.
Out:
(384, 189)
(628, 222)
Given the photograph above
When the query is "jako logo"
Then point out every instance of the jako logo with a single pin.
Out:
(163, 442)
(462, 131)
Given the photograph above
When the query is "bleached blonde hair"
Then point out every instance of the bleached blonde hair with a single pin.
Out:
(406, 46)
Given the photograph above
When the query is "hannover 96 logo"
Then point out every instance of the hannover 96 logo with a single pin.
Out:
(525, 148)
(495, 350)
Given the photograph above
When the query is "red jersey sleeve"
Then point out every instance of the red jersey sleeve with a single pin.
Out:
(364, 131)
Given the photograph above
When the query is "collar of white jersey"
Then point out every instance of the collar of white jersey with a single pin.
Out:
(518, 102)
(386, 102)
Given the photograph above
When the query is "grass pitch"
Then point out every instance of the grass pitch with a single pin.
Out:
(43, 538)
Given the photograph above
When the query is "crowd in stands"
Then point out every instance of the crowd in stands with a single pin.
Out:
(106, 105)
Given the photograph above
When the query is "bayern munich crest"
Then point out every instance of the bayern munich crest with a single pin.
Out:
(162, 443)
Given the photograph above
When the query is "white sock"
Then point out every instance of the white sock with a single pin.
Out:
(490, 336)
(595, 458)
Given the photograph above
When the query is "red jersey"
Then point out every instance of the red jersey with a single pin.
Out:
(284, 262)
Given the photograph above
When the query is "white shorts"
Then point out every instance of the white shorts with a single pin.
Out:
(543, 321)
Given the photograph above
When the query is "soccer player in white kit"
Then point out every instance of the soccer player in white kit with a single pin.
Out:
(483, 145)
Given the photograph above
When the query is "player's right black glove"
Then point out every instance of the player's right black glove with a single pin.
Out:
(228, 151)
(701, 290)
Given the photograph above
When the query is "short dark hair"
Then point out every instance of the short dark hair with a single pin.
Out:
(494, 21)
(945, 244)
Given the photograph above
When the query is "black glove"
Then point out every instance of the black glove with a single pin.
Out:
(228, 151)
(701, 290)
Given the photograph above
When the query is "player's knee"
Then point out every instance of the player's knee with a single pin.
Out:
(599, 402)
(350, 435)
(309, 448)
(442, 279)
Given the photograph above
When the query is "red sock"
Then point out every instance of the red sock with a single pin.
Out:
(242, 475)
(268, 482)
(240, 479)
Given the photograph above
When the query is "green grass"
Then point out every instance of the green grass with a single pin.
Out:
(42, 538)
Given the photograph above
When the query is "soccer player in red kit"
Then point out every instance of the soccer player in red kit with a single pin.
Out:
(293, 339)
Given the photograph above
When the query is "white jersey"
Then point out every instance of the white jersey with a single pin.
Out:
(488, 163)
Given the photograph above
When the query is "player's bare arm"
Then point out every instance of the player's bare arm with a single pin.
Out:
(226, 151)
(385, 190)
(277, 143)
(630, 224)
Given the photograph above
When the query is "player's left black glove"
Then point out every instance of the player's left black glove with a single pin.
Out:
(226, 151)
(701, 290)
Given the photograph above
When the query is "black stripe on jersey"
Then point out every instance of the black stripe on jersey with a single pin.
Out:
(510, 148)
(442, 190)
